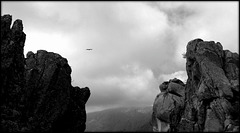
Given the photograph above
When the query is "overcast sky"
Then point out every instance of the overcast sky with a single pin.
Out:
(136, 45)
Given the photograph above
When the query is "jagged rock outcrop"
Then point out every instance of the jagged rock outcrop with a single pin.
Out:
(36, 91)
(211, 100)
(12, 72)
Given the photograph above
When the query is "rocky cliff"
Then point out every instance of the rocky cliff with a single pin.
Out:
(209, 102)
(36, 91)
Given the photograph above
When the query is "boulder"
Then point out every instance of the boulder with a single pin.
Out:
(168, 105)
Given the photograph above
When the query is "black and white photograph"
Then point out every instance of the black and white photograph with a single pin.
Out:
(119, 66)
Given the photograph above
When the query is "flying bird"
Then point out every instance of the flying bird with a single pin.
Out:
(88, 49)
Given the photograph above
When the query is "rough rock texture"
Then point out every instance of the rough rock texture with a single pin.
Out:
(168, 105)
(36, 91)
(211, 100)
(12, 72)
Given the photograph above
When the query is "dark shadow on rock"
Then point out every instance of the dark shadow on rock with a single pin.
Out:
(36, 91)
(210, 96)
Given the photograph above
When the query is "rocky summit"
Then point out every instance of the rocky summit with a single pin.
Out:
(209, 101)
(36, 91)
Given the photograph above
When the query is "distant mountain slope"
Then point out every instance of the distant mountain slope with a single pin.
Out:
(120, 119)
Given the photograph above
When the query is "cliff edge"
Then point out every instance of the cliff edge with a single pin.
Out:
(209, 102)
(36, 91)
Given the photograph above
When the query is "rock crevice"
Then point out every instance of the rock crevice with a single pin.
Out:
(211, 99)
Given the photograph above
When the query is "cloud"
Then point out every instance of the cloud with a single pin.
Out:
(206, 20)
(134, 87)
(182, 75)
(136, 45)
